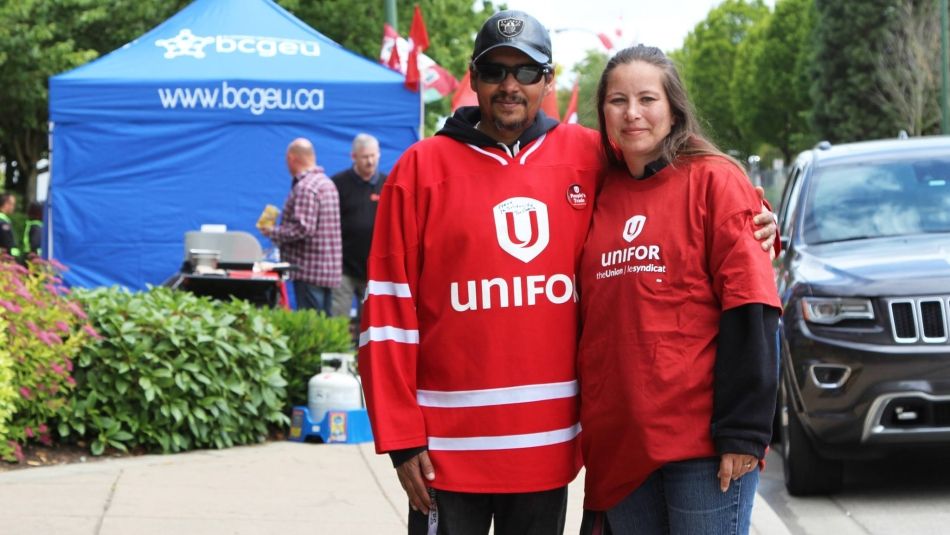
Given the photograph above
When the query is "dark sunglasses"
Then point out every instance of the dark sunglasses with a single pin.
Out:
(494, 73)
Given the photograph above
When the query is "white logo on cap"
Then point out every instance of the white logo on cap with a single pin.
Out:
(510, 27)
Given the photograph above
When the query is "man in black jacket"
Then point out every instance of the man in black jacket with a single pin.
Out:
(359, 188)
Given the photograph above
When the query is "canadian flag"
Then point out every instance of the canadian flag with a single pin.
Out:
(436, 81)
(612, 42)
(570, 115)
(419, 41)
(389, 53)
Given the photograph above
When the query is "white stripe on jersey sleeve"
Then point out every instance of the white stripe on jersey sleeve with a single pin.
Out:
(505, 442)
(389, 334)
(496, 396)
(388, 288)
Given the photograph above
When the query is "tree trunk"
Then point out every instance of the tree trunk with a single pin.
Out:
(28, 147)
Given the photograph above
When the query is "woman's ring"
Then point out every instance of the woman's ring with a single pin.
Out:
(749, 464)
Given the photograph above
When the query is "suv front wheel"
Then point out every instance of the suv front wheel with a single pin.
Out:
(806, 472)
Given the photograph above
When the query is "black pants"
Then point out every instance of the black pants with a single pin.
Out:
(463, 513)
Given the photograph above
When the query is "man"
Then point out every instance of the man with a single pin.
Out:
(7, 238)
(359, 189)
(470, 324)
(309, 230)
(33, 229)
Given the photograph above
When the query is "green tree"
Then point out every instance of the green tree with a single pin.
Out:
(908, 67)
(708, 59)
(770, 84)
(847, 37)
(588, 74)
(41, 38)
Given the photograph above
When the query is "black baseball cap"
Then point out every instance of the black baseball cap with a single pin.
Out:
(515, 29)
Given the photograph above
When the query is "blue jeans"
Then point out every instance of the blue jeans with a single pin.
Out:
(319, 298)
(683, 498)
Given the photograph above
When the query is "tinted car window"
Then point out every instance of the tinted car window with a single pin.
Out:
(789, 201)
(878, 199)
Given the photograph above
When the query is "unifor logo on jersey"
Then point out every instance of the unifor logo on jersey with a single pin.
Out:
(633, 227)
(521, 225)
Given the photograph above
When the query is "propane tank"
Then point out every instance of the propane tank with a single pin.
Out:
(335, 387)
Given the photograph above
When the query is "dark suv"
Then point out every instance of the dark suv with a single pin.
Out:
(865, 285)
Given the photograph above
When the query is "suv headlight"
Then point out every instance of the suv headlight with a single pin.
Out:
(830, 310)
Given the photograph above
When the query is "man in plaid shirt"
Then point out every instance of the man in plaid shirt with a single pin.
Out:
(309, 230)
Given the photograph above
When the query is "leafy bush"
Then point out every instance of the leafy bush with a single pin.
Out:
(45, 330)
(176, 372)
(309, 334)
(7, 393)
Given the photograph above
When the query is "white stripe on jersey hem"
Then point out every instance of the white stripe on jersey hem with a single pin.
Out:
(505, 442)
(389, 334)
(388, 288)
(496, 396)
(501, 160)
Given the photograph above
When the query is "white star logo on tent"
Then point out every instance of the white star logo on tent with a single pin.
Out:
(185, 44)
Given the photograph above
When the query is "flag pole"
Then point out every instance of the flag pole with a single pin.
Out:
(391, 13)
(419, 38)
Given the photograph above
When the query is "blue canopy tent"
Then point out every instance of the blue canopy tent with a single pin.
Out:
(188, 125)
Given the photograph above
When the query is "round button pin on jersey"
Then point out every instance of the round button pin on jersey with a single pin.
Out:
(576, 197)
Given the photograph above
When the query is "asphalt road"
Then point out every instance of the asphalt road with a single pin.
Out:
(904, 495)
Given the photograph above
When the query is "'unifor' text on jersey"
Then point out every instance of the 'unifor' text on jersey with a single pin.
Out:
(517, 292)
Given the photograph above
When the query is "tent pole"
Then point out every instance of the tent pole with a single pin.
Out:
(422, 111)
(48, 205)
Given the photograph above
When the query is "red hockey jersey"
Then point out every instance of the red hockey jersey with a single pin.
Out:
(665, 256)
(469, 332)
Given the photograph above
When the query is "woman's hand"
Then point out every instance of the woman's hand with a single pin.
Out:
(732, 466)
(766, 225)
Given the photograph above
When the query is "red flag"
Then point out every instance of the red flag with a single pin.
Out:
(419, 39)
(394, 62)
(608, 44)
(570, 115)
(464, 96)
(389, 40)
(437, 82)
(389, 51)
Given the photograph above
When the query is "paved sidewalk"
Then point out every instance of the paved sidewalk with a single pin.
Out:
(276, 488)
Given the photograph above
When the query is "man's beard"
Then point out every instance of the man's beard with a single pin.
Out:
(511, 125)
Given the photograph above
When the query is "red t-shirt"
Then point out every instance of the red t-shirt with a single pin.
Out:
(664, 257)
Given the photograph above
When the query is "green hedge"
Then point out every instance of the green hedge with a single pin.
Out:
(175, 372)
(308, 335)
(7, 394)
(45, 329)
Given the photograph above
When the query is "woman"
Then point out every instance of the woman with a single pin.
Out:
(677, 357)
